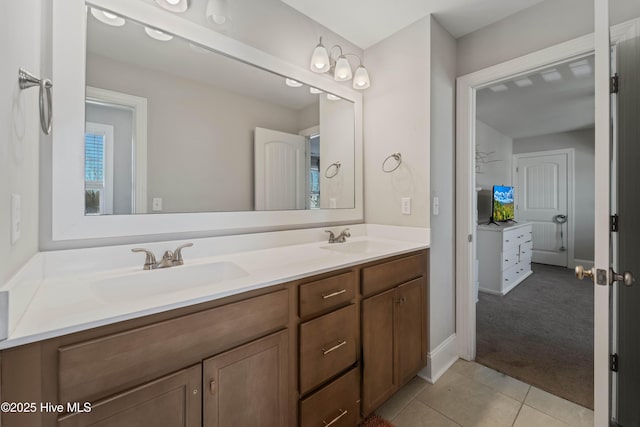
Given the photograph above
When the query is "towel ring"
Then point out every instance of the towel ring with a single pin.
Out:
(335, 165)
(27, 80)
(397, 157)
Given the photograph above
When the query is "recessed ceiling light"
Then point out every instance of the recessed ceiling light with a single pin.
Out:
(174, 5)
(525, 82)
(581, 68)
(499, 88)
(292, 83)
(551, 75)
(314, 91)
(157, 34)
(107, 17)
(332, 97)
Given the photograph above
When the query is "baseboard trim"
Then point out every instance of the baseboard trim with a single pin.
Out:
(440, 359)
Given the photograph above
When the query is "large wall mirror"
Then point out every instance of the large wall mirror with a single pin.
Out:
(182, 121)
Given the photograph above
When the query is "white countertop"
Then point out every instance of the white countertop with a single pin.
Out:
(72, 295)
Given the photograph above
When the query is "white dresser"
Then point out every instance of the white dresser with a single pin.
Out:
(504, 256)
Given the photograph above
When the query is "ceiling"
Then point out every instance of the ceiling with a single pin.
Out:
(563, 103)
(129, 44)
(366, 22)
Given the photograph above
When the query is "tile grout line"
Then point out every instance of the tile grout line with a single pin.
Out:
(520, 408)
(444, 415)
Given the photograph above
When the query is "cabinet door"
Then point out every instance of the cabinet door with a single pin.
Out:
(171, 401)
(379, 368)
(247, 386)
(411, 336)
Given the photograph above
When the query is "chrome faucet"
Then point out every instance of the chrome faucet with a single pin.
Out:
(169, 259)
(341, 238)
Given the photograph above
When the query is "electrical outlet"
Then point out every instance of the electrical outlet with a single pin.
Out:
(436, 205)
(157, 204)
(405, 207)
(16, 217)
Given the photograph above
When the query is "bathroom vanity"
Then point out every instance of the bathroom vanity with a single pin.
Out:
(323, 347)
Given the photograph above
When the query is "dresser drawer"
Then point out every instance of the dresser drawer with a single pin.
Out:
(525, 249)
(509, 257)
(510, 239)
(337, 404)
(380, 277)
(323, 295)
(327, 346)
(107, 365)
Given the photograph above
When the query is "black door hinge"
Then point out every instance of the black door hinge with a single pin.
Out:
(614, 221)
(614, 362)
(615, 83)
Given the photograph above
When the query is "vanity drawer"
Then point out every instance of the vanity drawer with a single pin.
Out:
(325, 294)
(327, 346)
(380, 277)
(107, 365)
(338, 402)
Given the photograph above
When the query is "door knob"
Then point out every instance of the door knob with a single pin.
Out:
(626, 277)
(581, 273)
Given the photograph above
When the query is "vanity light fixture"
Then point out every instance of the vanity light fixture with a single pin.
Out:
(157, 34)
(581, 68)
(499, 88)
(551, 75)
(217, 11)
(174, 5)
(292, 83)
(314, 91)
(322, 62)
(107, 17)
(332, 97)
(524, 82)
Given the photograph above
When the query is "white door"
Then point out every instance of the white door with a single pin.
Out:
(280, 170)
(541, 197)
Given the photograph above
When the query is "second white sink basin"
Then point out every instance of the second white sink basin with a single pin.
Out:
(146, 283)
(358, 247)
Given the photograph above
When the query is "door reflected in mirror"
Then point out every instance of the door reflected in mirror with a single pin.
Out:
(172, 127)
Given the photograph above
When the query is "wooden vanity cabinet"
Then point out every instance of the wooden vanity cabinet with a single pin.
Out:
(394, 327)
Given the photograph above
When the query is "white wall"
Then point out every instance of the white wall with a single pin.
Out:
(497, 149)
(396, 119)
(583, 143)
(442, 176)
(21, 38)
(543, 25)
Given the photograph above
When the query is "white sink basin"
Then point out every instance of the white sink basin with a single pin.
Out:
(359, 247)
(118, 288)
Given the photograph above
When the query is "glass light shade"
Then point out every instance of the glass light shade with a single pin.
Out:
(107, 17)
(361, 78)
(320, 59)
(343, 70)
(217, 11)
(157, 34)
(332, 97)
(292, 83)
(314, 91)
(174, 5)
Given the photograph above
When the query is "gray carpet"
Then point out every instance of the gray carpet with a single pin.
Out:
(541, 333)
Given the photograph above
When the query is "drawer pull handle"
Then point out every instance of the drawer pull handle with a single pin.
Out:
(212, 387)
(334, 294)
(333, 421)
(335, 347)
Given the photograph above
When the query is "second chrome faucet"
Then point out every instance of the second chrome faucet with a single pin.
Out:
(169, 259)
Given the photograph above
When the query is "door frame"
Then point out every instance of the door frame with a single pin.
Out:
(571, 194)
(466, 87)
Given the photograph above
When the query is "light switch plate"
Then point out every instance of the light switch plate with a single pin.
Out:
(405, 207)
(16, 217)
(436, 205)
(157, 204)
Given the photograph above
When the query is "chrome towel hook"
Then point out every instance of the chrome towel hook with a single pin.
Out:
(329, 173)
(397, 157)
(27, 80)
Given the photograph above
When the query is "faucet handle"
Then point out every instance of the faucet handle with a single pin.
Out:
(177, 254)
(150, 259)
(346, 232)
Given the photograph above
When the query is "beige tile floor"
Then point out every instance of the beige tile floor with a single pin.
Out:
(469, 394)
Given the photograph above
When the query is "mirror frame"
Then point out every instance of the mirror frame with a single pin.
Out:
(69, 77)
